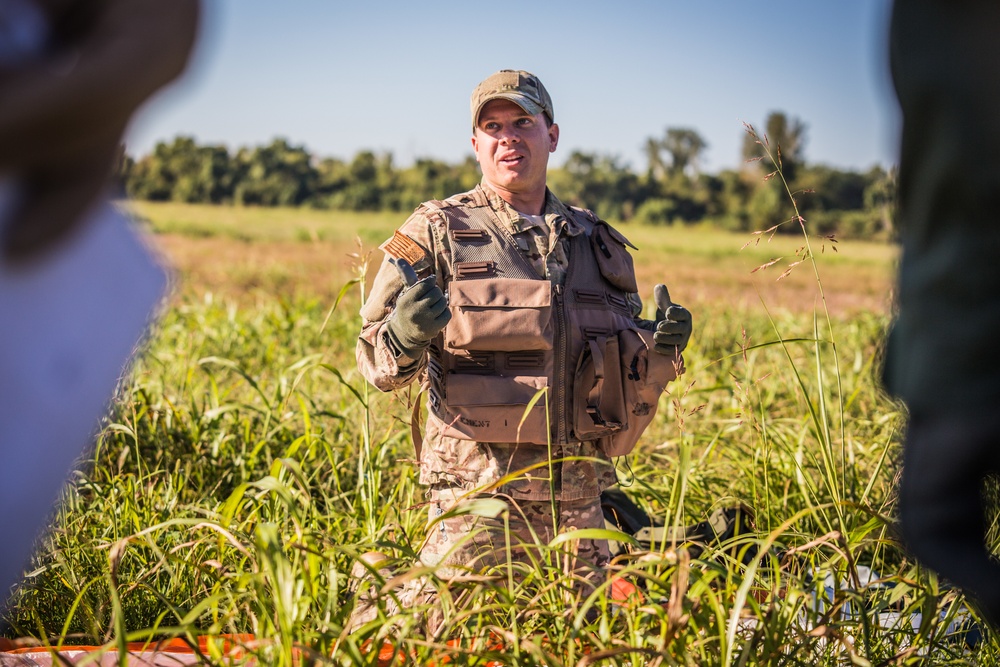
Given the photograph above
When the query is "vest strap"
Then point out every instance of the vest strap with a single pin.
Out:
(416, 432)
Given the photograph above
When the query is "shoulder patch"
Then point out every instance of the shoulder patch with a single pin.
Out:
(401, 246)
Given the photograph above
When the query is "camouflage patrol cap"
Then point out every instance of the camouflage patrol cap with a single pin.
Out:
(520, 87)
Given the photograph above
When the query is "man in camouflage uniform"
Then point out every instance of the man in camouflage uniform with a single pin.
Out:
(548, 489)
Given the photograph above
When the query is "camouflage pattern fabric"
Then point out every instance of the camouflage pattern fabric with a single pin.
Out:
(464, 543)
(462, 547)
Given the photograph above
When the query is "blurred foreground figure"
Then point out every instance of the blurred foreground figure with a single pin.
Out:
(941, 357)
(76, 286)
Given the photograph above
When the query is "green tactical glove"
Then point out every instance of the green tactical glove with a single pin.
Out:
(673, 323)
(421, 312)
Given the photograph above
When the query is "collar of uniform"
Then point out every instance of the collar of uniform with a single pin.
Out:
(556, 215)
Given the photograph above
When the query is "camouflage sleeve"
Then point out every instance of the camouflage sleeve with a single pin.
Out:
(377, 359)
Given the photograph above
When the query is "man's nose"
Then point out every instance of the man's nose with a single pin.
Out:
(509, 136)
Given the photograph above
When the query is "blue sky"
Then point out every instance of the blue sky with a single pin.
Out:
(339, 77)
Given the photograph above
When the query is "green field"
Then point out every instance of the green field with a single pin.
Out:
(246, 466)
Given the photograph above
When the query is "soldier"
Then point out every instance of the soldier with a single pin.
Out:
(502, 295)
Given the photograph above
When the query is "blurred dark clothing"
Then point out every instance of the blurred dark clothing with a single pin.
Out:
(940, 359)
(941, 502)
(945, 57)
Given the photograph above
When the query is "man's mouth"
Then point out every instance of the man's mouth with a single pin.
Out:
(510, 160)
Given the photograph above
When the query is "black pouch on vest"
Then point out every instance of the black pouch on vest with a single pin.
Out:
(617, 389)
(598, 404)
(645, 374)
(613, 257)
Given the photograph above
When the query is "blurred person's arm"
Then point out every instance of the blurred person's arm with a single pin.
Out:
(62, 115)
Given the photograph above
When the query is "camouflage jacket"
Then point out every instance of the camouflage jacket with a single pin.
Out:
(529, 472)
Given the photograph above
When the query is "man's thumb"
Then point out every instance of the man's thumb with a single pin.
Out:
(406, 272)
(662, 299)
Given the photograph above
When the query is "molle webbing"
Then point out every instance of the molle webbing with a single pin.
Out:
(513, 333)
(481, 250)
(477, 240)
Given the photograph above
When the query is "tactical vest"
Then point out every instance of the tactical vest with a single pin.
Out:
(526, 361)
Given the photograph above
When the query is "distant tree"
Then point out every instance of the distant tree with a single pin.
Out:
(183, 171)
(278, 174)
(467, 173)
(656, 211)
(433, 179)
(598, 182)
(123, 173)
(210, 179)
(880, 199)
(678, 152)
(829, 189)
(785, 138)
(673, 189)
(332, 176)
(426, 179)
(848, 203)
(371, 181)
(735, 188)
(657, 169)
(685, 146)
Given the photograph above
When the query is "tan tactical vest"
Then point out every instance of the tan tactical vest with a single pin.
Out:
(525, 360)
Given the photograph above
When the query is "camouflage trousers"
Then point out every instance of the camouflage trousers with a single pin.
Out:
(461, 546)
(469, 542)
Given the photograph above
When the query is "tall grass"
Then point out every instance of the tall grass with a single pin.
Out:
(247, 467)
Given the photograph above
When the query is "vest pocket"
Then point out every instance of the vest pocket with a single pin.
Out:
(500, 314)
(617, 389)
(598, 403)
(613, 258)
(645, 375)
(490, 408)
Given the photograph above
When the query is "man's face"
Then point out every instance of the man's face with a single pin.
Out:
(513, 147)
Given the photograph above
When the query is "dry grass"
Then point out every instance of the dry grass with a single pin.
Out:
(242, 269)
(278, 252)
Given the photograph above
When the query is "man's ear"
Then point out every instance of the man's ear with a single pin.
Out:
(475, 148)
(553, 137)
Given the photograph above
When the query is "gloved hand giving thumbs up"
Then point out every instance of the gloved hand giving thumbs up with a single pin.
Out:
(421, 311)
(673, 323)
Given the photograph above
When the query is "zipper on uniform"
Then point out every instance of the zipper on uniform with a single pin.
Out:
(559, 375)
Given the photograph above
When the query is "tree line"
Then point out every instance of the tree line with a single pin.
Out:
(672, 189)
